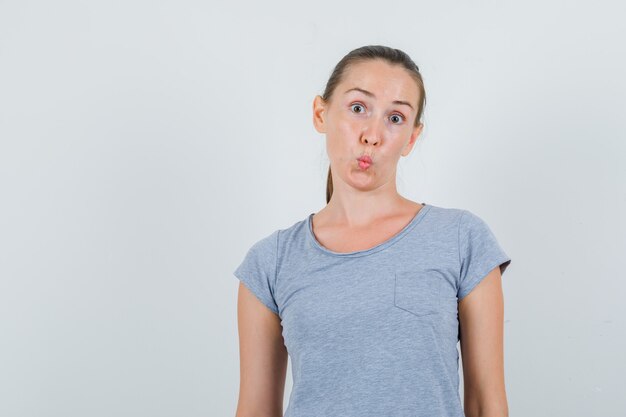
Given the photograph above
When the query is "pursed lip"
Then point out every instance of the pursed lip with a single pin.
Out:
(365, 158)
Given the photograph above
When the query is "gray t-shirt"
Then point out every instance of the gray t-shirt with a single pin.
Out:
(374, 332)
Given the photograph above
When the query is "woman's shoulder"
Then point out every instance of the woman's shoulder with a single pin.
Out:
(464, 220)
(445, 214)
(271, 241)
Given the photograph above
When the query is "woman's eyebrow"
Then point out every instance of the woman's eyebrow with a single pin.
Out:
(369, 94)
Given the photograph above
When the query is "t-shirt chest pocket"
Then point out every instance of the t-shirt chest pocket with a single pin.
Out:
(422, 293)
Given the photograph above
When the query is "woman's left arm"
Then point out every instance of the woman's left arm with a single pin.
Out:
(481, 321)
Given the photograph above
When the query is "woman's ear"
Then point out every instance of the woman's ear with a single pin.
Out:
(416, 132)
(319, 109)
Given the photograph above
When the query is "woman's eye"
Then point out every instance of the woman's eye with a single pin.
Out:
(357, 106)
(398, 117)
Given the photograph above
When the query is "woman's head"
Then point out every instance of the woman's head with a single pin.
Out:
(372, 105)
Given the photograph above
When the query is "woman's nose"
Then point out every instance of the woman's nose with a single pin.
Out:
(372, 133)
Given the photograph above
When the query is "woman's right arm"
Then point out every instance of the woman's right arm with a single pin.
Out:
(263, 358)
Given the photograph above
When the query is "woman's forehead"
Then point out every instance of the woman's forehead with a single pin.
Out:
(380, 79)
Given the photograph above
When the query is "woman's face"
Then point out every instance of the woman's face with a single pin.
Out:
(371, 113)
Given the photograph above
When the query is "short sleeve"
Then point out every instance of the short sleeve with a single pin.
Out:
(258, 270)
(479, 252)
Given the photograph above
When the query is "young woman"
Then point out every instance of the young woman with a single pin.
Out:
(370, 295)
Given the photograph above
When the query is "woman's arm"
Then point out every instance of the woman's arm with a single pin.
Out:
(481, 319)
(263, 358)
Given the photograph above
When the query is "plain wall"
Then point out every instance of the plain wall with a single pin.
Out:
(145, 146)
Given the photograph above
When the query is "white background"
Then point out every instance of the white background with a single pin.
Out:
(145, 146)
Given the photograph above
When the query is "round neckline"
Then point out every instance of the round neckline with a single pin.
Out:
(414, 221)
